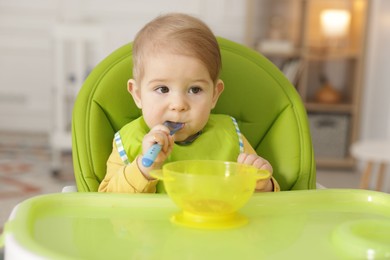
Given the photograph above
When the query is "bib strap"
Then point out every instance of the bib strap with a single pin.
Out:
(241, 143)
(121, 150)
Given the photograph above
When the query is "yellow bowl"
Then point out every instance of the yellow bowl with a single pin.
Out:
(209, 192)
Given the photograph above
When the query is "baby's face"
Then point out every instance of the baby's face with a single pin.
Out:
(176, 88)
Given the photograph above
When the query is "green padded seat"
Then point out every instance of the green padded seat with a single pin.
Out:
(267, 107)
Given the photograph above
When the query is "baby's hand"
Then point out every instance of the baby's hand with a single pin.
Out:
(158, 134)
(260, 163)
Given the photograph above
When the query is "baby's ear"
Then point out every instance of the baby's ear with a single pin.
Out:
(135, 92)
(218, 89)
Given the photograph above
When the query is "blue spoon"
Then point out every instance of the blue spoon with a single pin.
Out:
(150, 156)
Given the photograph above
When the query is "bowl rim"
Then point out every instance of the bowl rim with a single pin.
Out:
(258, 173)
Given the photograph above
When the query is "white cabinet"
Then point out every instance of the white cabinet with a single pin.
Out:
(26, 64)
(78, 48)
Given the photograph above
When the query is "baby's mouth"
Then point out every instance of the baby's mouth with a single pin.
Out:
(173, 126)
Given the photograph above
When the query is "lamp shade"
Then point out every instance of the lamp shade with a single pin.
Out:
(335, 23)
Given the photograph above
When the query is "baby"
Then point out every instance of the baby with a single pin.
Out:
(176, 67)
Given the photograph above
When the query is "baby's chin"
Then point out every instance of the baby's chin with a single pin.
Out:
(180, 137)
(185, 138)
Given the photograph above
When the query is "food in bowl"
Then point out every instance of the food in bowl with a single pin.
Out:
(209, 192)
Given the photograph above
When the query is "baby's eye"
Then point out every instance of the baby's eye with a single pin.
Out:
(195, 90)
(162, 89)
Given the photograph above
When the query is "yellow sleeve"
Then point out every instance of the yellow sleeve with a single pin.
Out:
(121, 178)
(249, 150)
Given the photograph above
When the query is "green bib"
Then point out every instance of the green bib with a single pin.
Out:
(220, 140)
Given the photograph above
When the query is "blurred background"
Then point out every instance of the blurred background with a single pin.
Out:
(334, 51)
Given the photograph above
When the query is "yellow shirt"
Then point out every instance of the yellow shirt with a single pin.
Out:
(128, 178)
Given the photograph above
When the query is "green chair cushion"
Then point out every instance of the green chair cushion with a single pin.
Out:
(267, 107)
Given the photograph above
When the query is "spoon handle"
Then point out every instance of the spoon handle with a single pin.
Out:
(151, 154)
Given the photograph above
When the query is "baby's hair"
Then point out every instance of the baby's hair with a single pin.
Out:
(180, 34)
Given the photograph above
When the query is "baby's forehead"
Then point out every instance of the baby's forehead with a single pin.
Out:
(152, 50)
(167, 54)
(166, 65)
(163, 48)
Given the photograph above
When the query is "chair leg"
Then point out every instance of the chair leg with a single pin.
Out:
(379, 181)
(366, 176)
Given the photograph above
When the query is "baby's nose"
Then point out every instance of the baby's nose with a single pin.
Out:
(179, 104)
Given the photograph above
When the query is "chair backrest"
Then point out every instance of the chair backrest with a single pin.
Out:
(267, 107)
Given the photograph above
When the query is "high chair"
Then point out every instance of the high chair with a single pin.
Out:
(267, 107)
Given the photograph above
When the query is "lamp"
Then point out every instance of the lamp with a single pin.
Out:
(335, 26)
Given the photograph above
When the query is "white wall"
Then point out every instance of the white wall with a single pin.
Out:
(375, 123)
(26, 50)
(26, 44)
